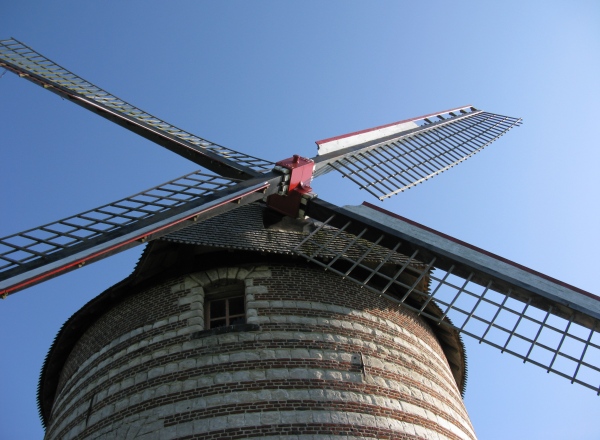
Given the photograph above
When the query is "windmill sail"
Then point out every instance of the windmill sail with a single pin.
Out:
(35, 255)
(27, 63)
(390, 159)
(522, 312)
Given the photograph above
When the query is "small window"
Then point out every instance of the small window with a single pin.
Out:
(225, 305)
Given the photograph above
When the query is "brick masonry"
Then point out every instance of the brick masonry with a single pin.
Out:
(320, 358)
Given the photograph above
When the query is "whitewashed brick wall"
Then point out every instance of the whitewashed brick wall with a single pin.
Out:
(328, 361)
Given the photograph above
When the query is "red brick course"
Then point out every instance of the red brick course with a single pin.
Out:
(83, 397)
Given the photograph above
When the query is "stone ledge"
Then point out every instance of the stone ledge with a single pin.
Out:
(222, 330)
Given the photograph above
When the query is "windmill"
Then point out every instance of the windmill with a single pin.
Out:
(478, 291)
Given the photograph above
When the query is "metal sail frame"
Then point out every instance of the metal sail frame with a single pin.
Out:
(534, 317)
(38, 254)
(528, 315)
(31, 65)
(387, 166)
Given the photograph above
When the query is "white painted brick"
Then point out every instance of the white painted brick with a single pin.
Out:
(315, 354)
(174, 349)
(354, 418)
(236, 420)
(191, 345)
(107, 411)
(219, 423)
(132, 348)
(335, 323)
(332, 375)
(246, 337)
(270, 418)
(140, 377)
(258, 320)
(197, 291)
(323, 321)
(201, 278)
(188, 314)
(277, 319)
(201, 425)
(160, 323)
(252, 419)
(304, 320)
(298, 373)
(189, 384)
(162, 390)
(95, 417)
(186, 364)
(280, 394)
(168, 433)
(283, 353)
(299, 394)
(322, 417)
(223, 377)
(159, 353)
(267, 354)
(305, 416)
(223, 273)
(357, 328)
(300, 353)
(134, 399)
(157, 338)
(114, 388)
(212, 275)
(206, 381)
(182, 406)
(184, 429)
(239, 357)
(276, 304)
(190, 282)
(197, 320)
(197, 305)
(171, 367)
(241, 376)
(196, 328)
(101, 395)
(327, 337)
(121, 404)
(164, 410)
(232, 273)
(257, 304)
(289, 304)
(422, 432)
(177, 288)
(187, 300)
(187, 330)
(227, 338)
(277, 373)
(145, 429)
(347, 325)
(242, 273)
(127, 382)
(220, 358)
(155, 372)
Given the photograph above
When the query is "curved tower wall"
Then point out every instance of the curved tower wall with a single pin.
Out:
(318, 358)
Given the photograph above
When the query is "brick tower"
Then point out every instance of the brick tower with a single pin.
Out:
(218, 333)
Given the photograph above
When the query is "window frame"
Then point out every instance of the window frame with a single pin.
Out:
(225, 292)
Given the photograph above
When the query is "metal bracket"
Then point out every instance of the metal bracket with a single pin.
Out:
(294, 190)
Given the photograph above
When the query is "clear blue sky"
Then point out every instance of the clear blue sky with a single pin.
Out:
(270, 78)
